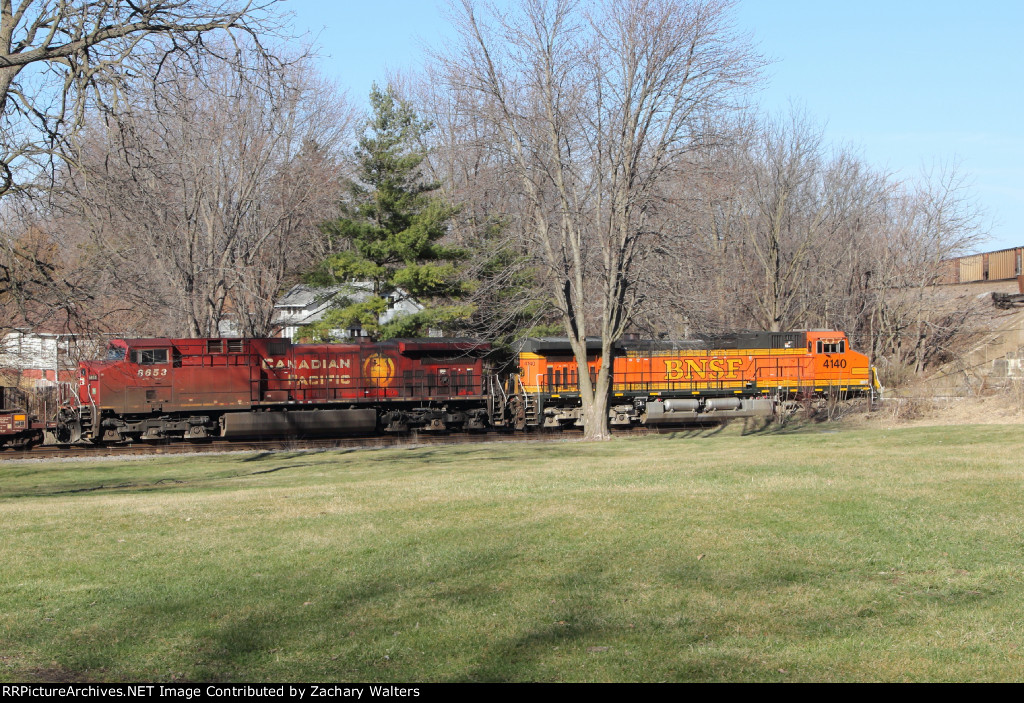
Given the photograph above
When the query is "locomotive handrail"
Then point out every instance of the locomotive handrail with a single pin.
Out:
(493, 383)
(526, 394)
(66, 396)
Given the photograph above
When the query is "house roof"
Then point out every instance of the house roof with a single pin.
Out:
(304, 304)
(317, 297)
(303, 296)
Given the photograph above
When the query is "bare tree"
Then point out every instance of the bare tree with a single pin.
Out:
(804, 215)
(588, 102)
(929, 221)
(777, 232)
(61, 58)
(786, 214)
(206, 194)
(696, 279)
(36, 287)
(59, 61)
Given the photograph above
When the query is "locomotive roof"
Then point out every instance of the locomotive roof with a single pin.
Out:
(737, 340)
(439, 343)
(555, 344)
(413, 344)
(171, 341)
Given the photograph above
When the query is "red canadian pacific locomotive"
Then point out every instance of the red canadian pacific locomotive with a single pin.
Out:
(198, 388)
(157, 389)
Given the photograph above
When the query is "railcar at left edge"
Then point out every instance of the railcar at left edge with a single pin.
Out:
(19, 429)
(199, 389)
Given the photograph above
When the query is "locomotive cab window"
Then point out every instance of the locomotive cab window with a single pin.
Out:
(115, 353)
(148, 357)
(831, 346)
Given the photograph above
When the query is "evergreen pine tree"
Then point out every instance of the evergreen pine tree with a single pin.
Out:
(389, 232)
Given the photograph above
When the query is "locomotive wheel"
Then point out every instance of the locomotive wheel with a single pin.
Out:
(68, 431)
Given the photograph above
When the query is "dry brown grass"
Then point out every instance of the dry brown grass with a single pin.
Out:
(1005, 407)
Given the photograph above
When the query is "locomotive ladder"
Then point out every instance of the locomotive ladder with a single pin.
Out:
(497, 408)
(530, 403)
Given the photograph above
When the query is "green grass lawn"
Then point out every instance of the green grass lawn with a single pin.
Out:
(707, 556)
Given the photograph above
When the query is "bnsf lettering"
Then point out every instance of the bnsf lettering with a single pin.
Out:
(701, 369)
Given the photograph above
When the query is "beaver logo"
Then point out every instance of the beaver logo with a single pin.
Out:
(378, 371)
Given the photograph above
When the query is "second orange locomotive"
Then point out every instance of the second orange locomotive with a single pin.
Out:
(671, 382)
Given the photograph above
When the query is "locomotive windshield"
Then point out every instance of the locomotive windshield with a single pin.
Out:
(115, 353)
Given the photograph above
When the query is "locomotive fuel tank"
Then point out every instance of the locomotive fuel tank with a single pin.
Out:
(298, 423)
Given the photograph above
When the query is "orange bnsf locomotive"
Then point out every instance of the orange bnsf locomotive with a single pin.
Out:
(196, 389)
(675, 382)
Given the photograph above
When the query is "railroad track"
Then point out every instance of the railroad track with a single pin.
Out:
(228, 446)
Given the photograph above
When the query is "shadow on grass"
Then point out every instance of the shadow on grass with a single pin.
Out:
(236, 626)
(229, 648)
(63, 489)
(511, 659)
(234, 630)
(752, 426)
(285, 456)
(696, 431)
(276, 469)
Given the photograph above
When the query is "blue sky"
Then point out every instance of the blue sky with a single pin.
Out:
(909, 84)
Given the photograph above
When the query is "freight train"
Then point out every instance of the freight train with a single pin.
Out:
(199, 389)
